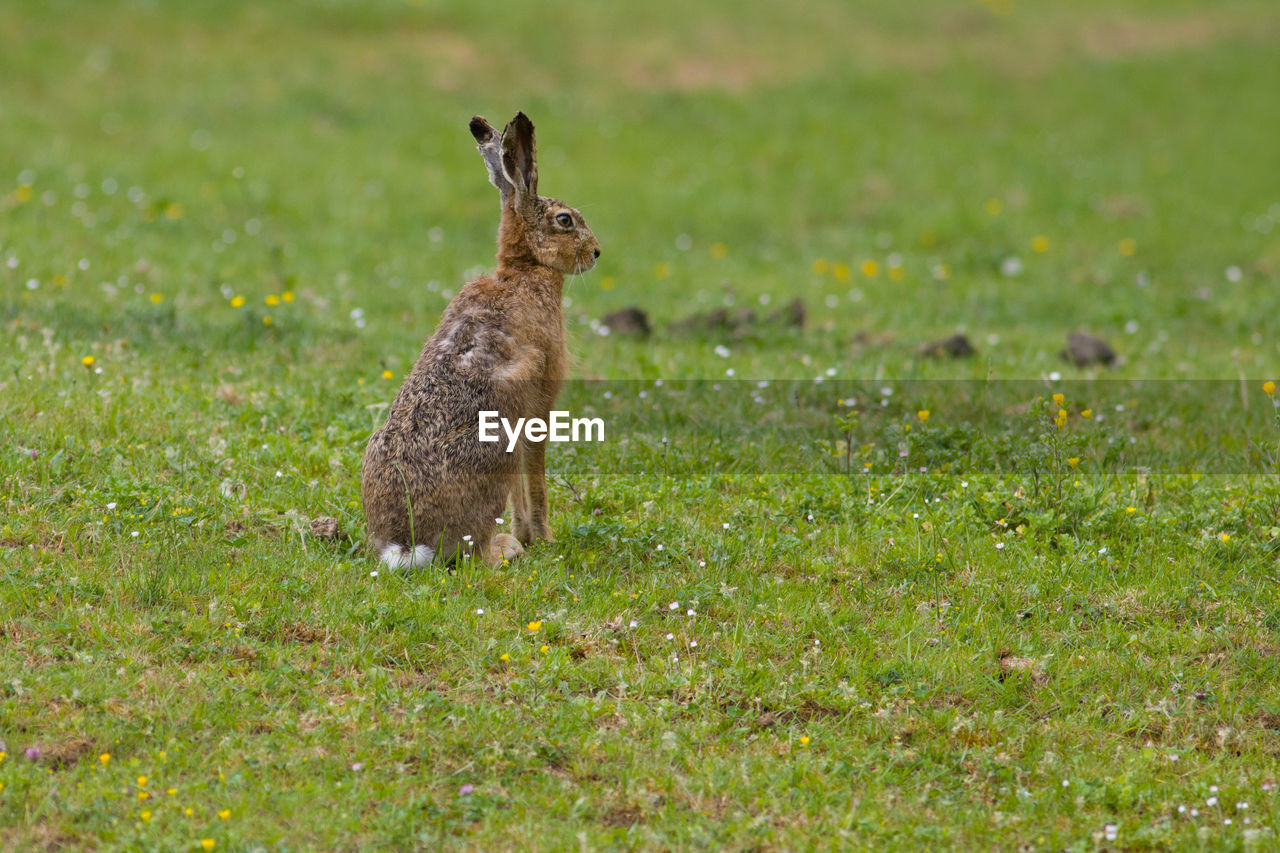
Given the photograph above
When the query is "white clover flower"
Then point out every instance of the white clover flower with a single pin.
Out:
(675, 605)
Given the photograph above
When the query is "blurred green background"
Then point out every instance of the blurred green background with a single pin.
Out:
(721, 152)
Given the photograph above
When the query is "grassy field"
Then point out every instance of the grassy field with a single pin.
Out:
(794, 622)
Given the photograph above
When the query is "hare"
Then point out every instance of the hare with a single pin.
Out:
(431, 488)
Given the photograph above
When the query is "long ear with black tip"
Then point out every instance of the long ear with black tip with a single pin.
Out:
(488, 143)
(519, 160)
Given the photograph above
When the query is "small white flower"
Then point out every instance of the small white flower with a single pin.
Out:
(111, 505)
(279, 474)
(722, 351)
(1110, 831)
(373, 574)
(1234, 274)
(1226, 822)
(1182, 809)
(1241, 807)
(675, 605)
(693, 644)
(725, 525)
(479, 611)
(1212, 801)
(1213, 789)
(135, 534)
(964, 484)
(499, 521)
(702, 564)
(671, 636)
(466, 538)
(633, 623)
(999, 546)
(691, 612)
(1195, 813)
(1066, 783)
(660, 547)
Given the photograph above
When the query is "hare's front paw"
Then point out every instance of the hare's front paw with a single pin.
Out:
(503, 547)
(532, 532)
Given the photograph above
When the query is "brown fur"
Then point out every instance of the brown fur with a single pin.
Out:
(427, 478)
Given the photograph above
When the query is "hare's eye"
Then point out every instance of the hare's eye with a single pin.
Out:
(564, 220)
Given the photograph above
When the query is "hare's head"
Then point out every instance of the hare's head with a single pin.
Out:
(535, 228)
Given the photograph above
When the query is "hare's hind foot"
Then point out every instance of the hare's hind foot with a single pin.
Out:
(400, 557)
(503, 547)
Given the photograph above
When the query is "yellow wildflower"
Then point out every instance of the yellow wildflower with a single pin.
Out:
(207, 843)
(87, 361)
(544, 648)
(237, 302)
(272, 300)
(1073, 461)
(804, 740)
(142, 781)
(105, 758)
(1086, 413)
(287, 296)
(387, 374)
(224, 814)
(173, 211)
(993, 206)
(267, 321)
(662, 271)
(1058, 399)
(923, 415)
(1128, 246)
(157, 298)
(146, 816)
(1269, 388)
(870, 269)
(1040, 243)
(535, 625)
(719, 250)
(23, 194)
(820, 266)
(897, 273)
(504, 657)
(1131, 509)
(840, 271)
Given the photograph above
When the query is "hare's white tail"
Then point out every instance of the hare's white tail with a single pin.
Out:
(400, 557)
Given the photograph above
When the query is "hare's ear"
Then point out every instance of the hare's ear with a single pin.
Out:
(488, 143)
(519, 162)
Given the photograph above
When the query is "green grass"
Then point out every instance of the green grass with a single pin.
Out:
(1002, 651)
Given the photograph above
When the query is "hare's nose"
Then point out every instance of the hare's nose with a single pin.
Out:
(597, 253)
